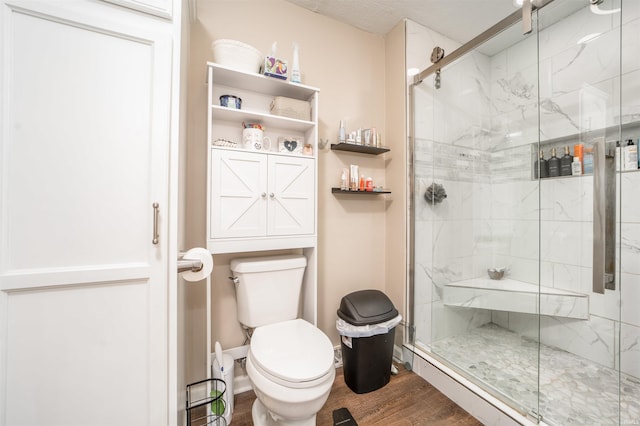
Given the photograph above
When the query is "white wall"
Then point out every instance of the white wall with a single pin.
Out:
(348, 66)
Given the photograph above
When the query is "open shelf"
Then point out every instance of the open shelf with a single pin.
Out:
(259, 83)
(269, 120)
(630, 130)
(342, 191)
(359, 148)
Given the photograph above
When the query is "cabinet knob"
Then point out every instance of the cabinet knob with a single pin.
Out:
(264, 194)
(272, 195)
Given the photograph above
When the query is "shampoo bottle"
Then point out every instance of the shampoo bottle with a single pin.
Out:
(554, 164)
(565, 163)
(541, 168)
(341, 135)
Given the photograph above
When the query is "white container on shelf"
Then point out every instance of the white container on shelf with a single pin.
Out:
(237, 55)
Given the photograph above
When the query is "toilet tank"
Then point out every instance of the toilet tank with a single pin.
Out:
(268, 288)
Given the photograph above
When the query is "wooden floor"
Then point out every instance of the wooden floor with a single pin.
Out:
(406, 400)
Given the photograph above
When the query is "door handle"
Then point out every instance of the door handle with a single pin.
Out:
(156, 217)
(604, 215)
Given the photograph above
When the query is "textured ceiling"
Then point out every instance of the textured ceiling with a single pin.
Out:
(460, 20)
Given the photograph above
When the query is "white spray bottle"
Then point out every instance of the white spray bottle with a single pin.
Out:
(295, 69)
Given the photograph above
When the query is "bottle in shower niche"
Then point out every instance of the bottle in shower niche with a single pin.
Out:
(587, 167)
(554, 164)
(541, 167)
(565, 163)
(630, 156)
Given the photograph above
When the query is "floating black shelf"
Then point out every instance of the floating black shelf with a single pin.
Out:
(342, 191)
(359, 148)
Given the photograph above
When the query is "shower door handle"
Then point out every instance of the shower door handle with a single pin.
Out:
(604, 215)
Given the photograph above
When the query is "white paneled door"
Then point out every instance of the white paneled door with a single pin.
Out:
(85, 140)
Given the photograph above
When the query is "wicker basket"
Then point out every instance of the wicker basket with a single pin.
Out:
(237, 55)
(292, 108)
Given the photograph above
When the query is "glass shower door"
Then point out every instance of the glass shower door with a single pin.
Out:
(476, 251)
(588, 330)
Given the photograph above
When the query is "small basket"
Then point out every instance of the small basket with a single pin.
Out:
(237, 55)
(291, 108)
(225, 143)
(205, 403)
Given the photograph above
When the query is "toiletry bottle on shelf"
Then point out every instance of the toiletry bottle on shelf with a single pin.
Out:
(618, 158)
(344, 180)
(362, 183)
(630, 156)
(576, 167)
(541, 167)
(353, 177)
(565, 163)
(341, 136)
(369, 184)
(295, 69)
(554, 164)
(578, 151)
(587, 166)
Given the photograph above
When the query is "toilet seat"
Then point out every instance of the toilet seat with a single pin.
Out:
(292, 353)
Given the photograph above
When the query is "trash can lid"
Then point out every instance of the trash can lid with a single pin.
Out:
(366, 307)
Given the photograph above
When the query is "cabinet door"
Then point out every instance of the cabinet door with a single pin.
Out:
(84, 306)
(238, 194)
(291, 195)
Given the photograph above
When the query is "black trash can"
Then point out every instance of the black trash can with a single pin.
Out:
(367, 321)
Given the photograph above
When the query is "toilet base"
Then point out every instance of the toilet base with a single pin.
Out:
(261, 417)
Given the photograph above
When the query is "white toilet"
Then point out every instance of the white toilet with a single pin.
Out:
(290, 361)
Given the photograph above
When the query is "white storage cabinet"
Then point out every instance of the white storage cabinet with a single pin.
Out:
(259, 200)
(257, 195)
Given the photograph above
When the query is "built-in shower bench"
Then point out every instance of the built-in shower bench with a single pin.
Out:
(516, 296)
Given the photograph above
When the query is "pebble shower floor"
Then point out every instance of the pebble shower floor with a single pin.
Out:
(573, 391)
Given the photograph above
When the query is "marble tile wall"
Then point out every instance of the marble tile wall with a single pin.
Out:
(474, 136)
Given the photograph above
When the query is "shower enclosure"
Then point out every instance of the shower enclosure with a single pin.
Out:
(558, 336)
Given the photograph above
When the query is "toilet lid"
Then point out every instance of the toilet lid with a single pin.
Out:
(294, 351)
